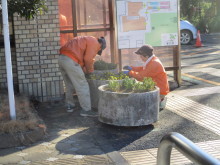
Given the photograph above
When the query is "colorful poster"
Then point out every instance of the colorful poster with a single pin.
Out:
(153, 22)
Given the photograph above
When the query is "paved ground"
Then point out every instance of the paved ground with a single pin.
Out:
(192, 110)
(73, 139)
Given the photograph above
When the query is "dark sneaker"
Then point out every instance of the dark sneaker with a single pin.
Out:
(70, 108)
(88, 113)
(163, 103)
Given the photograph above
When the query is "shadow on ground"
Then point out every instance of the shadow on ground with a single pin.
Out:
(88, 136)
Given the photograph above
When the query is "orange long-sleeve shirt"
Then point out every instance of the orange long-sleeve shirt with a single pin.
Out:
(156, 71)
(82, 50)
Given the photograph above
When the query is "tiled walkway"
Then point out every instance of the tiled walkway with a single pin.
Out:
(200, 114)
(148, 157)
(198, 91)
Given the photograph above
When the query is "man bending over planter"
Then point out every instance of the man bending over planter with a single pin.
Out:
(152, 68)
(77, 59)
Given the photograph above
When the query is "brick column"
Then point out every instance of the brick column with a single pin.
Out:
(3, 72)
(37, 50)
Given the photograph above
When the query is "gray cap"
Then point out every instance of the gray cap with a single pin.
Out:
(145, 50)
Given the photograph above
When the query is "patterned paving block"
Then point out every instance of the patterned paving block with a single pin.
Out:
(198, 113)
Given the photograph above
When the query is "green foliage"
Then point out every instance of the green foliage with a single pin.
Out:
(102, 65)
(215, 24)
(108, 76)
(147, 85)
(114, 86)
(132, 86)
(201, 13)
(128, 84)
(28, 9)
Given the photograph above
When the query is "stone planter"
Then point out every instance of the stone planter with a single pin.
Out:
(94, 92)
(128, 109)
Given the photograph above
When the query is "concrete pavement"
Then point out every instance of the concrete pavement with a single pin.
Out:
(72, 142)
(73, 139)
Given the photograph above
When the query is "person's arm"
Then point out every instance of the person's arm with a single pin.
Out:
(151, 70)
(137, 68)
(92, 47)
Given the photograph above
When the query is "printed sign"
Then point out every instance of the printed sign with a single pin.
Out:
(153, 22)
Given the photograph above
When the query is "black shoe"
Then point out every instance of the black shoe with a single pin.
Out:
(70, 108)
(88, 113)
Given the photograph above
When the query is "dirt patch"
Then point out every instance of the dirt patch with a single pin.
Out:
(27, 119)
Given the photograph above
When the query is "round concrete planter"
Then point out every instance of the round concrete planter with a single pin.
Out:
(94, 92)
(128, 109)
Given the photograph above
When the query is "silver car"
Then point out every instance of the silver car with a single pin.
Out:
(188, 32)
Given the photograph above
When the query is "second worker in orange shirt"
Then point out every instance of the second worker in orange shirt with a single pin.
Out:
(152, 68)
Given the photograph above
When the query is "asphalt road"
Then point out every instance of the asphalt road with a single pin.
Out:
(200, 69)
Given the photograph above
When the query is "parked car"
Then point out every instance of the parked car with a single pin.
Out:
(188, 32)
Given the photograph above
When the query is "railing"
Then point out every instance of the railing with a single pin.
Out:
(186, 147)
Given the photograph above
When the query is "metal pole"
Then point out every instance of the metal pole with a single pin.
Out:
(8, 60)
(186, 147)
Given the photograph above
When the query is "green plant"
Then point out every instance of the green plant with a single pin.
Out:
(132, 86)
(108, 76)
(102, 65)
(27, 8)
(147, 85)
(215, 24)
(114, 86)
(128, 84)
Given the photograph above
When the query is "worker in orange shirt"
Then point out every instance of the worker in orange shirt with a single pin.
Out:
(76, 59)
(152, 68)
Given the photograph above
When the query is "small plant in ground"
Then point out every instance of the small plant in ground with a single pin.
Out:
(132, 86)
(102, 65)
(108, 76)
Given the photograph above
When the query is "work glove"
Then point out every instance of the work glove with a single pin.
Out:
(126, 72)
(127, 67)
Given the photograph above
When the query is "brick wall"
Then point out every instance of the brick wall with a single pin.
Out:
(3, 73)
(37, 50)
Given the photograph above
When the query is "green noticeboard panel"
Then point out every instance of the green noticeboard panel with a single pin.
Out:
(153, 22)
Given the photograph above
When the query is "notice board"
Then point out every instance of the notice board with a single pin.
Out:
(140, 22)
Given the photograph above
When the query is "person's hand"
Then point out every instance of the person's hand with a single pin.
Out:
(84, 70)
(126, 72)
(127, 67)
